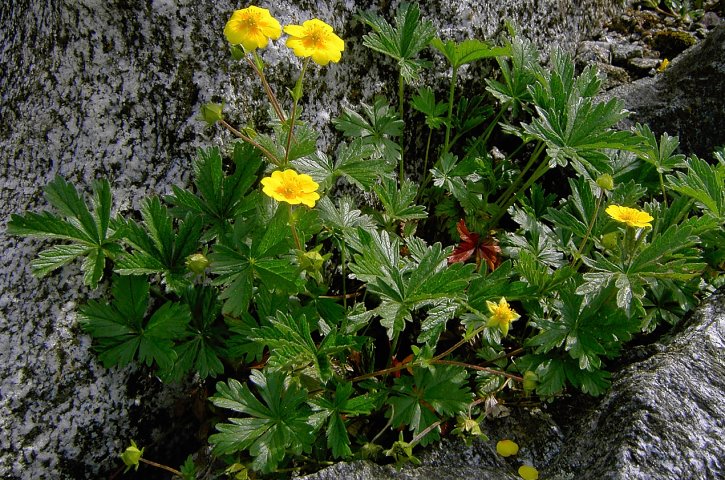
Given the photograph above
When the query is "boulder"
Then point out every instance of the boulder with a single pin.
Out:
(686, 99)
(111, 89)
(662, 418)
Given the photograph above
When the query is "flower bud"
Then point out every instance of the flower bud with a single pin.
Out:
(197, 263)
(605, 182)
(211, 113)
(531, 380)
(131, 456)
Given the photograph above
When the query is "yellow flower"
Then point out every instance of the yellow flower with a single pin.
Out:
(291, 187)
(252, 27)
(501, 315)
(314, 38)
(506, 448)
(663, 66)
(630, 216)
(527, 472)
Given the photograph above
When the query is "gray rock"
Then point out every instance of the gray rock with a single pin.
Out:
(686, 99)
(643, 65)
(662, 419)
(95, 88)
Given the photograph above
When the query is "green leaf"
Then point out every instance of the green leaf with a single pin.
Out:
(425, 103)
(157, 248)
(468, 51)
(377, 128)
(586, 330)
(703, 182)
(398, 203)
(337, 409)
(441, 389)
(292, 348)
(344, 216)
(572, 125)
(426, 282)
(518, 72)
(402, 42)
(659, 154)
(275, 423)
(87, 229)
(240, 266)
(219, 198)
(203, 344)
(121, 331)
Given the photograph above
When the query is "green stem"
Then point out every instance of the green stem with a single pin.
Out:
(538, 173)
(401, 112)
(426, 174)
(476, 367)
(268, 90)
(296, 95)
(664, 191)
(296, 238)
(451, 96)
(486, 134)
(511, 190)
(578, 256)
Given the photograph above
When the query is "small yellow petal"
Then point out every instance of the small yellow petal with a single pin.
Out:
(506, 448)
(527, 472)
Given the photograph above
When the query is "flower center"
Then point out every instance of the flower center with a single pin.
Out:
(315, 38)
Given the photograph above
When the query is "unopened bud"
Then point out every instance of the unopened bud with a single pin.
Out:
(132, 456)
(531, 381)
(211, 113)
(605, 182)
(197, 263)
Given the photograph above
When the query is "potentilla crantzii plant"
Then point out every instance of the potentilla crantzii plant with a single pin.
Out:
(341, 330)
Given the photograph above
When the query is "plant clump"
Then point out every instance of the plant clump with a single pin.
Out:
(336, 330)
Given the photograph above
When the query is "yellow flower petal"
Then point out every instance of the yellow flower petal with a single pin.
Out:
(506, 448)
(527, 472)
(252, 27)
(501, 315)
(291, 187)
(630, 216)
(315, 39)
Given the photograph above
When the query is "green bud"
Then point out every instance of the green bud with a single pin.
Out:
(211, 113)
(605, 182)
(238, 52)
(531, 381)
(132, 456)
(197, 263)
(609, 240)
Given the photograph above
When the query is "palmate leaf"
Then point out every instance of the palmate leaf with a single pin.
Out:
(426, 282)
(239, 266)
(468, 51)
(339, 408)
(670, 255)
(425, 103)
(586, 328)
(291, 345)
(219, 198)
(398, 203)
(574, 127)
(553, 373)
(377, 128)
(518, 72)
(415, 400)
(203, 345)
(87, 228)
(156, 248)
(703, 182)
(356, 161)
(121, 331)
(276, 422)
(660, 155)
(402, 42)
(344, 216)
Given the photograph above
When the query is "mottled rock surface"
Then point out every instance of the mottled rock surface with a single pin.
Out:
(662, 419)
(95, 88)
(686, 100)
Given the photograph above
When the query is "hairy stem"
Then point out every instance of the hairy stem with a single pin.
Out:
(250, 141)
(267, 89)
(163, 467)
(401, 112)
(296, 95)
